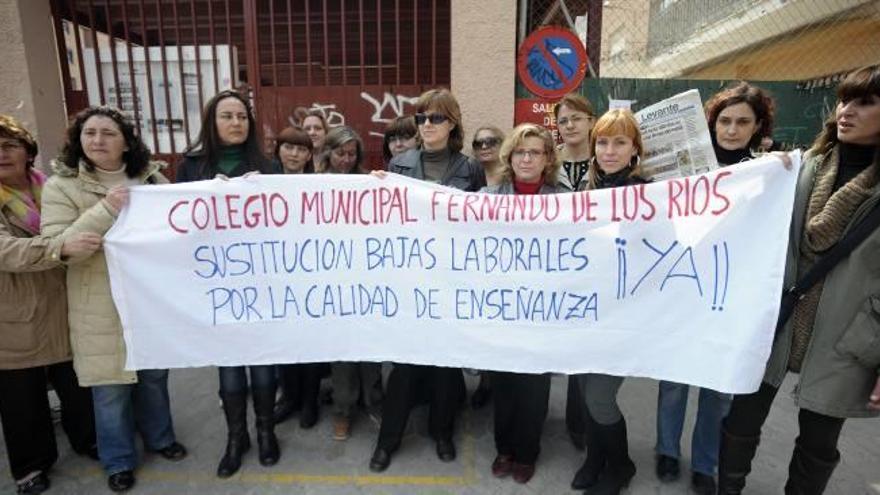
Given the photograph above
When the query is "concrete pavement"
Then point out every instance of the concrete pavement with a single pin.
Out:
(313, 463)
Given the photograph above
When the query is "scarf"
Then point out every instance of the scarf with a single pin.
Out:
(828, 214)
(730, 157)
(23, 206)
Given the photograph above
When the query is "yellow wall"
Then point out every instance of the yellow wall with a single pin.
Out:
(814, 53)
(483, 62)
(30, 82)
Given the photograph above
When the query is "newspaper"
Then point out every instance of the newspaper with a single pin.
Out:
(676, 137)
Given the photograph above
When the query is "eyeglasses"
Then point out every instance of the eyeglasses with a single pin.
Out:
(489, 142)
(435, 118)
(10, 146)
(520, 154)
(574, 119)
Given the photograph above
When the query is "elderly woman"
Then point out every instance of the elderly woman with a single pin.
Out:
(35, 348)
(438, 159)
(739, 118)
(530, 166)
(831, 339)
(300, 383)
(101, 158)
(228, 145)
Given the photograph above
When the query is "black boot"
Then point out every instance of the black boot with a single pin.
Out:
(619, 468)
(807, 473)
(735, 461)
(238, 442)
(264, 401)
(289, 401)
(594, 464)
(311, 386)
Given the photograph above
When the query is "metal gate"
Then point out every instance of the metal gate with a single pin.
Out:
(361, 62)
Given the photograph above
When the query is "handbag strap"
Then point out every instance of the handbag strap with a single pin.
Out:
(841, 250)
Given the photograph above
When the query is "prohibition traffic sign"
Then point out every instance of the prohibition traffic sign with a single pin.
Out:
(552, 62)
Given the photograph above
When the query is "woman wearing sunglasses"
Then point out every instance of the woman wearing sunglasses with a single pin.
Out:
(487, 143)
(438, 159)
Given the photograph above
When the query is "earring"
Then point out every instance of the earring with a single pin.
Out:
(635, 164)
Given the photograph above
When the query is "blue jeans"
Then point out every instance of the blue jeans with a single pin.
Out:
(712, 408)
(120, 409)
(233, 379)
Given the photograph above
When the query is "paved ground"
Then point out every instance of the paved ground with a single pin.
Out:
(312, 462)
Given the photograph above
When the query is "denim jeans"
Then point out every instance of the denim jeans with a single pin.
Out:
(711, 409)
(120, 409)
(233, 379)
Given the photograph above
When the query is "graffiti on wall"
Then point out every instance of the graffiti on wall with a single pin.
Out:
(383, 111)
(395, 103)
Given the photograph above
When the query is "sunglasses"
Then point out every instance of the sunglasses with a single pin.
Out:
(435, 118)
(490, 142)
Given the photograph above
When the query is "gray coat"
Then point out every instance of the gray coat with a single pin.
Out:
(842, 361)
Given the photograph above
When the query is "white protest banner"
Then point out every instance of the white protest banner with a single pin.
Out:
(676, 137)
(677, 280)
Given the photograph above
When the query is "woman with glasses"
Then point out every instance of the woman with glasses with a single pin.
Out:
(400, 136)
(617, 150)
(487, 142)
(530, 167)
(35, 348)
(228, 145)
(438, 159)
(574, 119)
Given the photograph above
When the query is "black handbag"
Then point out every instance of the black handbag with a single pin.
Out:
(817, 272)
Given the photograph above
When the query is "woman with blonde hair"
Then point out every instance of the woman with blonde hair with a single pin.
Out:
(617, 148)
(528, 166)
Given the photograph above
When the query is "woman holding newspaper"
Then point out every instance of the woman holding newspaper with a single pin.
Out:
(529, 166)
(617, 149)
(832, 338)
(101, 158)
(739, 117)
(228, 146)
